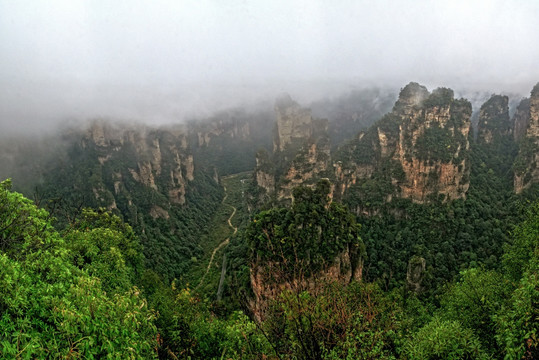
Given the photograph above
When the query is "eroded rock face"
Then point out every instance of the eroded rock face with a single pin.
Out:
(158, 212)
(527, 162)
(415, 273)
(301, 151)
(264, 173)
(294, 124)
(418, 151)
(411, 98)
(308, 166)
(146, 154)
(494, 122)
(521, 119)
(432, 147)
(268, 280)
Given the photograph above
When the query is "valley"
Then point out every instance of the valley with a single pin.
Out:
(269, 180)
(234, 188)
(252, 234)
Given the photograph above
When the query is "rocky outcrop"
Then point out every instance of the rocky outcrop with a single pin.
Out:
(294, 124)
(310, 164)
(264, 172)
(156, 158)
(158, 212)
(268, 280)
(301, 151)
(224, 124)
(432, 147)
(411, 98)
(527, 163)
(418, 151)
(415, 273)
(521, 119)
(494, 122)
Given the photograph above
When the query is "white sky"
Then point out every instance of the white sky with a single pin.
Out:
(162, 60)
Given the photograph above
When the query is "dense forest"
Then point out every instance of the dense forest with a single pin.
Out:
(190, 242)
(84, 291)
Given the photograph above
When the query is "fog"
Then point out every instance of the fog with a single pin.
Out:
(165, 61)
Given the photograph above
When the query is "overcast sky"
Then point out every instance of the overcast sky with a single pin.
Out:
(162, 60)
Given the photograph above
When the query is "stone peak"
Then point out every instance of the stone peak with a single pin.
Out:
(284, 100)
(535, 91)
(411, 95)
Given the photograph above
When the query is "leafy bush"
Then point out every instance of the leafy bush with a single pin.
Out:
(441, 339)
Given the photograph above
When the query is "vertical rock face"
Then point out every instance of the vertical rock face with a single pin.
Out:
(527, 162)
(157, 159)
(432, 147)
(264, 173)
(410, 98)
(494, 122)
(226, 142)
(415, 273)
(224, 124)
(311, 162)
(268, 280)
(418, 151)
(301, 151)
(294, 124)
(521, 119)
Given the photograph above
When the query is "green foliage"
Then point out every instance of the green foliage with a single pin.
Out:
(312, 232)
(107, 248)
(444, 339)
(23, 227)
(82, 181)
(523, 245)
(358, 321)
(474, 300)
(518, 322)
(193, 331)
(524, 163)
(51, 308)
(439, 97)
(495, 116)
(389, 124)
(436, 143)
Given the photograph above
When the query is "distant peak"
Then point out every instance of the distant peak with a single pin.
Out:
(284, 100)
(535, 91)
(411, 95)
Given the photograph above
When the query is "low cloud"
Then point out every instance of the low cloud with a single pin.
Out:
(166, 61)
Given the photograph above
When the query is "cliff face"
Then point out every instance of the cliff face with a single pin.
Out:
(157, 159)
(521, 119)
(226, 143)
(418, 151)
(293, 125)
(268, 280)
(527, 163)
(147, 176)
(494, 122)
(310, 163)
(432, 147)
(301, 151)
(225, 124)
(302, 247)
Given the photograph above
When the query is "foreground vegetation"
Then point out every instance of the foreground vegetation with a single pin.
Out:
(84, 292)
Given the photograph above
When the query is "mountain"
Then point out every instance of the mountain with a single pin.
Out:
(301, 151)
(280, 233)
(146, 175)
(418, 151)
(527, 132)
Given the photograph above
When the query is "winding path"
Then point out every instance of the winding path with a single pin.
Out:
(223, 243)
